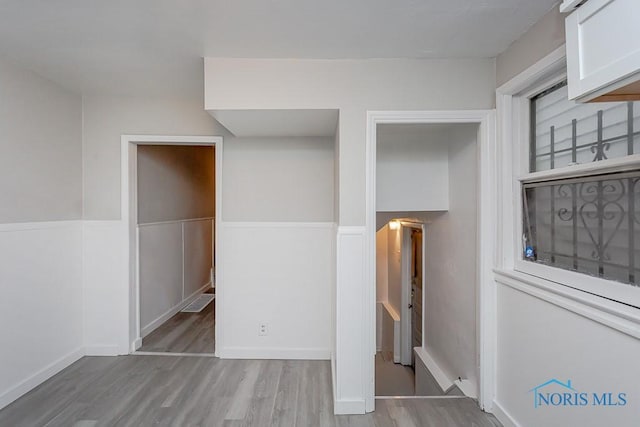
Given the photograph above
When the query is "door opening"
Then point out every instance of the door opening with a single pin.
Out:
(175, 231)
(427, 266)
(173, 211)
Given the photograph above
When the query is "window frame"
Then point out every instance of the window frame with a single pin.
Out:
(514, 104)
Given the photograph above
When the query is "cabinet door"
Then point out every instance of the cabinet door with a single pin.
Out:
(603, 47)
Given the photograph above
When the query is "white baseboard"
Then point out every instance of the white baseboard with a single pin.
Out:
(349, 407)
(274, 353)
(344, 406)
(39, 377)
(469, 388)
(441, 378)
(503, 416)
(102, 350)
(172, 311)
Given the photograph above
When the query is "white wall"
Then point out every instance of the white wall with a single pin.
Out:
(278, 235)
(175, 261)
(451, 265)
(541, 39)
(538, 341)
(279, 274)
(107, 118)
(412, 168)
(382, 264)
(278, 179)
(41, 146)
(41, 294)
(545, 331)
(106, 287)
(40, 188)
(394, 281)
(352, 86)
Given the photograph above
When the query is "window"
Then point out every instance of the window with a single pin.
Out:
(587, 222)
(565, 133)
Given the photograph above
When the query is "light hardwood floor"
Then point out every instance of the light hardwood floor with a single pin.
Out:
(184, 333)
(204, 391)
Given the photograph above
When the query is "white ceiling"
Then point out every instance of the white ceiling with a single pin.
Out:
(278, 123)
(154, 47)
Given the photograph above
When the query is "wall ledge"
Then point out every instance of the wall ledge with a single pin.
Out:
(621, 317)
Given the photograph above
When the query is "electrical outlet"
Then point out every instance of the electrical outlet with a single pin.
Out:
(263, 329)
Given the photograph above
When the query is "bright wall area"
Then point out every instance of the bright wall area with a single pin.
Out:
(106, 118)
(451, 265)
(353, 87)
(278, 233)
(412, 168)
(176, 193)
(40, 235)
(41, 144)
(278, 179)
(546, 332)
(388, 288)
(106, 286)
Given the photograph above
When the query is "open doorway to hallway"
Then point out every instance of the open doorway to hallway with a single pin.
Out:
(426, 260)
(175, 229)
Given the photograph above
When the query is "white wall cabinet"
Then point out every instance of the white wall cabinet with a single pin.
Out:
(603, 50)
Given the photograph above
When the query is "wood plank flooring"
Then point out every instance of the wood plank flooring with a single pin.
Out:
(205, 391)
(184, 333)
(393, 379)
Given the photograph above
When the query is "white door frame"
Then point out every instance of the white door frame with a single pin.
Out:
(486, 292)
(405, 291)
(129, 214)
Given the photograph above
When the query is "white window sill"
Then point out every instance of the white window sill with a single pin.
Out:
(615, 315)
(620, 164)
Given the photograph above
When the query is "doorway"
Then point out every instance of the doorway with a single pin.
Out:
(173, 192)
(415, 303)
(400, 265)
(175, 231)
(478, 260)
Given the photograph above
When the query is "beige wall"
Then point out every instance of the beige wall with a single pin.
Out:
(278, 179)
(107, 118)
(40, 148)
(175, 183)
(354, 87)
(545, 36)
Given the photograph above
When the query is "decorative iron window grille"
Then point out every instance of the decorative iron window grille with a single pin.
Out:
(564, 132)
(589, 224)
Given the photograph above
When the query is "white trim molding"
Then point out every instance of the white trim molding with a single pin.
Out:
(486, 292)
(350, 342)
(39, 377)
(276, 353)
(432, 366)
(623, 318)
(503, 416)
